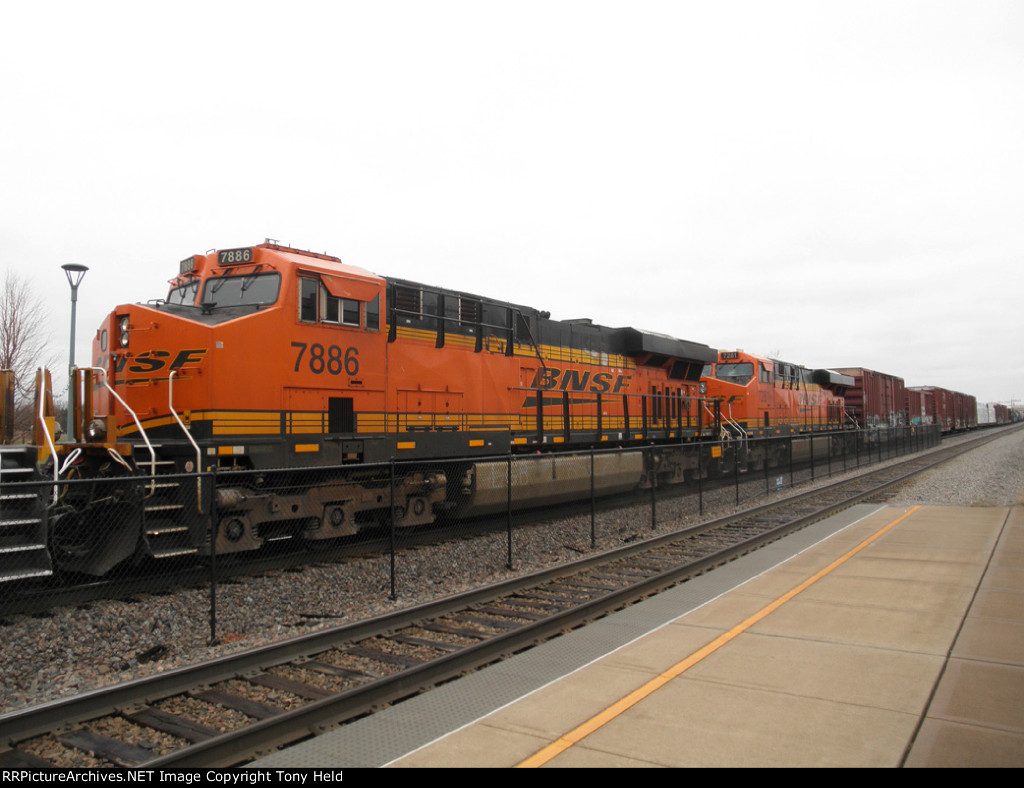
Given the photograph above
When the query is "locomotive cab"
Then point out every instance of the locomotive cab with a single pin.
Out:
(261, 331)
(260, 357)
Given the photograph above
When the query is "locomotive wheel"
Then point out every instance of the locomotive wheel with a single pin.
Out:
(94, 541)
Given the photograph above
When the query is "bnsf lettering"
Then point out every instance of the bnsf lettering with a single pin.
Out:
(573, 380)
(187, 357)
(150, 361)
(154, 361)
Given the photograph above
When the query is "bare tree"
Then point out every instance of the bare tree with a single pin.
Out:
(24, 342)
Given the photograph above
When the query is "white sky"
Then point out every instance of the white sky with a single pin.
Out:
(837, 183)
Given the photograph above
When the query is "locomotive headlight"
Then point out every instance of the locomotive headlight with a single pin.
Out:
(96, 431)
(122, 325)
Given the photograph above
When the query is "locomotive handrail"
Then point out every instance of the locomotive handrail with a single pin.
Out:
(741, 433)
(442, 319)
(722, 434)
(450, 319)
(529, 334)
(46, 432)
(199, 454)
(142, 432)
(70, 459)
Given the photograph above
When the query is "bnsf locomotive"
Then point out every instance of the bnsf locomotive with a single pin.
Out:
(268, 359)
(766, 397)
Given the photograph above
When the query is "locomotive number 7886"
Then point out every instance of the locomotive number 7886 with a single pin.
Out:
(331, 359)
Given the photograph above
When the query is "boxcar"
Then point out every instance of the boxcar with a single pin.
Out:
(875, 399)
(951, 410)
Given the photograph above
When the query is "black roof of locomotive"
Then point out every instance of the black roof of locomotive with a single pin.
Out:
(583, 333)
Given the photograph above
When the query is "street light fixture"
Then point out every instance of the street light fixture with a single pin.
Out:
(75, 273)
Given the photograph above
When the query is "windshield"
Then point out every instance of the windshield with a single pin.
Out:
(251, 289)
(735, 373)
(186, 294)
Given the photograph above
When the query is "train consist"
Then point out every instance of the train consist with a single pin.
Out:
(268, 359)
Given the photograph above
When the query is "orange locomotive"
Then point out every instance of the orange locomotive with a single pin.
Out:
(269, 358)
(765, 397)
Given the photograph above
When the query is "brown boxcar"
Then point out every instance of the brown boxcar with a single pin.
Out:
(920, 406)
(951, 410)
(876, 399)
(966, 416)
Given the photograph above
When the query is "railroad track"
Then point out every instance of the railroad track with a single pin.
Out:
(39, 595)
(226, 711)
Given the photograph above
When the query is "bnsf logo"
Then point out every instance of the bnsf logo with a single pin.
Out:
(574, 380)
(154, 361)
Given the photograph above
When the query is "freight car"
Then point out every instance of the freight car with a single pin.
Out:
(268, 358)
(920, 407)
(992, 414)
(875, 400)
(953, 411)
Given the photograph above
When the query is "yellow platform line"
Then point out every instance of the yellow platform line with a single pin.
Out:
(603, 718)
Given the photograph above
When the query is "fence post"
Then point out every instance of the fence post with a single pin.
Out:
(593, 504)
(700, 478)
(508, 510)
(214, 532)
(736, 472)
(394, 591)
(765, 450)
(654, 478)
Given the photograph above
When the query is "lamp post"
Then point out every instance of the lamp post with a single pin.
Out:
(75, 273)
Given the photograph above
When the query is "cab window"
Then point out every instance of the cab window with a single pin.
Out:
(241, 290)
(185, 294)
(308, 297)
(739, 374)
(373, 314)
(317, 305)
(340, 310)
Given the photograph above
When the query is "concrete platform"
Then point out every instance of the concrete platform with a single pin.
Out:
(880, 637)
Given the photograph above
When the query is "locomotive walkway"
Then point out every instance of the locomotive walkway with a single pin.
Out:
(883, 636)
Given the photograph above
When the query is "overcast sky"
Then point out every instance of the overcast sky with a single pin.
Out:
(833, 183)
